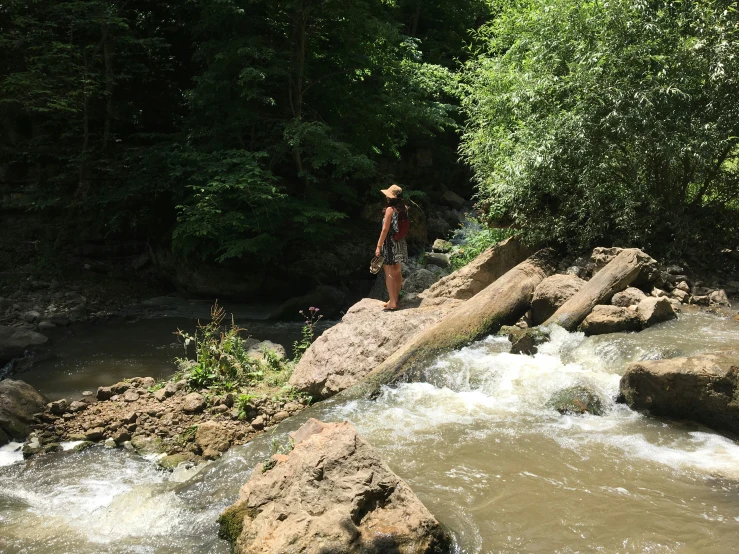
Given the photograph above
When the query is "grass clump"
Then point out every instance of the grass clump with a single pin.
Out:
(223, 362)
(475, 239)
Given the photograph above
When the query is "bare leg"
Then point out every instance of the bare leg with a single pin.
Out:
(393, 285)
(388, 282)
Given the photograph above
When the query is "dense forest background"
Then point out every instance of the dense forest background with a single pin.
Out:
(253, 134)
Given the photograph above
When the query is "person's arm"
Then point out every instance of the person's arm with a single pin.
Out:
(385, 229)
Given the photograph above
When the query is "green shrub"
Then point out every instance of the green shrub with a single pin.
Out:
(476, 240)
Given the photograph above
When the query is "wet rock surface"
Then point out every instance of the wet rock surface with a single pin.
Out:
(15, 340)
(331, 493)
(19, 402)
(703, 388)
(577, 400)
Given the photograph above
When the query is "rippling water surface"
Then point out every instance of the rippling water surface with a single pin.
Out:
(476, 441)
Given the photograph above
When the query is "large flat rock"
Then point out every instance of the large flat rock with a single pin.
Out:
(701, 388)
(331, 493)
(365, 337)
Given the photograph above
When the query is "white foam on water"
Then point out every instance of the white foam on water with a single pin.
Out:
(11, 453)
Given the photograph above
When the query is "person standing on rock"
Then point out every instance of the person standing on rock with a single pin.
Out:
(392, 244)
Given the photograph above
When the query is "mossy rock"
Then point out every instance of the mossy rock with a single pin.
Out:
(147, 445)
(231, 521)
(52, 447)
(577, 401)
(82, 446)
(526, 341)
(171, 461)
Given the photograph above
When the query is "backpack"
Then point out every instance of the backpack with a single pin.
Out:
(404, 225)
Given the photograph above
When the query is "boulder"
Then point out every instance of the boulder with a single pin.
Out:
(719, 298)
(437, 259)
(655, 310)
(420, 280)
(703, 388)
(443, 246)
(610, 319)
(577, 400)
(601, 257)
(493, 263)
(364, 338)
(193, 402)
(14, 341)
(213, 439)
(329, 300)
(680, 295)
(331, 493)
(452, 199)
(256, 351)
(629, 297)
(18, 402)
(551, 293)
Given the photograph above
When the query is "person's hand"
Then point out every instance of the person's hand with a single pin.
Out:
(377, 251)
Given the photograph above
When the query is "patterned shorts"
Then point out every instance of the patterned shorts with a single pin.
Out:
(395, 252)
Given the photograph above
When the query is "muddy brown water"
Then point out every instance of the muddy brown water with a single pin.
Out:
(477, 443)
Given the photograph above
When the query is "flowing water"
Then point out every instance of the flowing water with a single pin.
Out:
(476, 441)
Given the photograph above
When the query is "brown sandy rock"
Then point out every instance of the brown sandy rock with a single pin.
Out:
(466, 282)
(18, 402)
(655, 310)
(364, 338)
(629, 297)
(551, 293)
(332, 493)
(703, 388)
(610, 319)
(193, 402)
(213, 439)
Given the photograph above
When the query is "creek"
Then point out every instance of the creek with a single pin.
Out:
(476, 441)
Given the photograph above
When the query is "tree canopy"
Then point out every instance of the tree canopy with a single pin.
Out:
(608, 122)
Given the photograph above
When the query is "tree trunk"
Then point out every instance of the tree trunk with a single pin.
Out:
(614, 277)
(416, 19)
(503, 302)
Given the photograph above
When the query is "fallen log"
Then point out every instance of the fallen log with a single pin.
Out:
(503, 302)
(614, 277)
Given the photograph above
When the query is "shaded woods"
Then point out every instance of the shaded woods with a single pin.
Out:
(241, 130)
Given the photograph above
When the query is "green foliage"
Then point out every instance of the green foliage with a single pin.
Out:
(308, 333)
(608, 122)
(476, 238)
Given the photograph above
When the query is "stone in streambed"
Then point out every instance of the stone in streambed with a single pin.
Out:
(130, 396)
(332, 493)
(703, 388)
(171, 461)
(213, 439)
(15, 341)
(95, 434)
(629, 297)
(655, 310)
(577, 401)
(19, 402)
(611, 319)
(551, 293)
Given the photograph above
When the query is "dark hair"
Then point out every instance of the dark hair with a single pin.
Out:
(397, 203)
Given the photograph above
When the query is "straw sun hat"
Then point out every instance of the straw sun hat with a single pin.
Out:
(393, 191)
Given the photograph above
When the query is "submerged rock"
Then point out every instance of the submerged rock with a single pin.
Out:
(703, 388)
(19, 401)
(332, 493)
(551, 293)
(577, 400)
